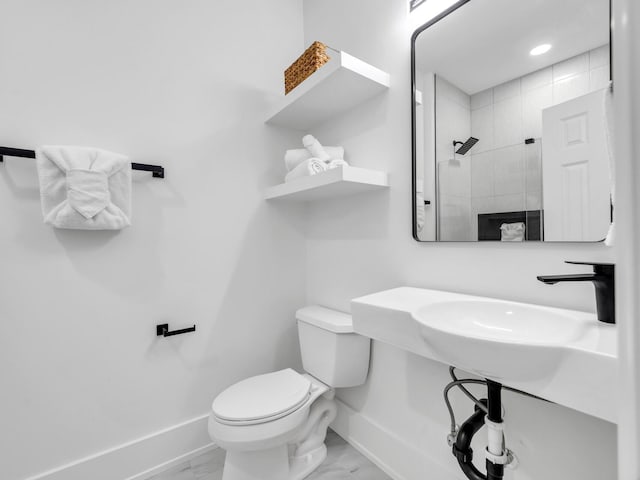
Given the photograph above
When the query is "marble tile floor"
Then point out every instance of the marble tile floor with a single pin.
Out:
(343, 463)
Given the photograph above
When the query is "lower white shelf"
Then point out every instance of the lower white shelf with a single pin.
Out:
(336, 182)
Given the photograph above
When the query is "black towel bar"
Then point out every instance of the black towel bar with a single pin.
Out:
(156, 170)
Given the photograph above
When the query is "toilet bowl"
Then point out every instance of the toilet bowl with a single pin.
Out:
(273, 426)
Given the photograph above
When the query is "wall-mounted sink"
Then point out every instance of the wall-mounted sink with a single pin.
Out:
(565, 356)
(499, 339)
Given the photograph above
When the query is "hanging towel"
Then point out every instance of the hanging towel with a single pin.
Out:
(84, 188)
(512, 232)
(293, 158)
(306, 168)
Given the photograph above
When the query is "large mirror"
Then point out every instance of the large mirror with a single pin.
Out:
(511, 122)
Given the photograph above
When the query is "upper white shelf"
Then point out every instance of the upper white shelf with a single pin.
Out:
(339, 85)
(333, 183)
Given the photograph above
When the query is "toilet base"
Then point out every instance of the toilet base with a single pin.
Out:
(271, 464)
(300, 467)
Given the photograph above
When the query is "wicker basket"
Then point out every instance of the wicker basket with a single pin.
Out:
(310, 61)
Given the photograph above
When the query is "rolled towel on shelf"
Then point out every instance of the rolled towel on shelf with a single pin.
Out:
(312, 144)
(512, 232)
(84, 188)
(338, 162)
(294, 157)
(307, 168)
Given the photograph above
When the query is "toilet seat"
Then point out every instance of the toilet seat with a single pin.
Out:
(262, 399)
(269, 432)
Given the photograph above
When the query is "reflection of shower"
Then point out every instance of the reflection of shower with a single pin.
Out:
(465, 146)
(451, 162)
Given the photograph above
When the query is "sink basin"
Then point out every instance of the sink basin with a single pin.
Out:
(499, 339)
(566, 356)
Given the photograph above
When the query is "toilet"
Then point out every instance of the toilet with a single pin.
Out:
(273, 426)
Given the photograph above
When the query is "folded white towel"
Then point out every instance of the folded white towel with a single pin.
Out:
(512, 232)
(315, 148)
(84, 188)
(306, 168)
(336, 163)
(293, 158)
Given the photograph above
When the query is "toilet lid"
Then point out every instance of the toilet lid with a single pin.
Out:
(263, 397)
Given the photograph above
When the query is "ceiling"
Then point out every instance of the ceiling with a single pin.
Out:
(487, 42)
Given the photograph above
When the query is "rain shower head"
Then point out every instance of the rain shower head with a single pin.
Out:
(465, 146)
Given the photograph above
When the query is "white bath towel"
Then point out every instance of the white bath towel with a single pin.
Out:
(294, 157)
(309, 167)
(312, 144)
(84, 188)
(512, 232)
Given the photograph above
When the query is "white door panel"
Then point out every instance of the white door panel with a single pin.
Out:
(575, 170)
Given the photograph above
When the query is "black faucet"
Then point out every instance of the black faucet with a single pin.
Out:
(602, 278)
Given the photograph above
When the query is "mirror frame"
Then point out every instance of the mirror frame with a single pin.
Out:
(414, 159)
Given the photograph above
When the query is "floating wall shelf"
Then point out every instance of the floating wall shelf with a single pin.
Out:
(338, 86)
(332, 183)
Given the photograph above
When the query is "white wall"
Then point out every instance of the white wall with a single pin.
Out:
(363, 244)
(187, 86)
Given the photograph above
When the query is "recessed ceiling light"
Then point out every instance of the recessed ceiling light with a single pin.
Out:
(540, 49)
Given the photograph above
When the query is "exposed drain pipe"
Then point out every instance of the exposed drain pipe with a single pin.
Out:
(496, 452)
(462, 447)
(487, 412)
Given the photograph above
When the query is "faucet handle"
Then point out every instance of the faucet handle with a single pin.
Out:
(598, 267)
(590, 263)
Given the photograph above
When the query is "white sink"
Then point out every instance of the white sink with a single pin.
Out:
(499, 339)
(565, 356)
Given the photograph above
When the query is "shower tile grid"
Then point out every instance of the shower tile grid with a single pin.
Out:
(343, 463)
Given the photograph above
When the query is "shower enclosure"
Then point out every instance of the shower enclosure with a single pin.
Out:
(484, 193)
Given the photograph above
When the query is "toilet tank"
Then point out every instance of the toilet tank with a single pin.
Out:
(331, 351)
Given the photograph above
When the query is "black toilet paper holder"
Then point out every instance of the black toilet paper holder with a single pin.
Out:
(162, 330)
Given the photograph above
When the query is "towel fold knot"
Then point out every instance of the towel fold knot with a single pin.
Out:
(84, 188)
(88, 191)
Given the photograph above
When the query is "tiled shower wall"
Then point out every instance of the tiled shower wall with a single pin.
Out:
(500, 173)
(453, 122)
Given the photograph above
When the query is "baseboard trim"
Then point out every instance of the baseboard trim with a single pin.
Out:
(140, 458)
(173, 463)
(391, 453)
